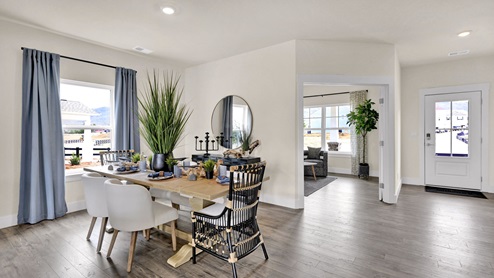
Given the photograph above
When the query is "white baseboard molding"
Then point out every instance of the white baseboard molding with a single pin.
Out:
(11, 220)
(412, 181)
(76, 206)
(8, 221)
(339, 170)
(346, 171)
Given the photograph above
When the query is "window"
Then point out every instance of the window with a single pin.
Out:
(327, 124)
(87, 121)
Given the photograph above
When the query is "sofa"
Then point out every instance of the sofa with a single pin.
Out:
(321, 168)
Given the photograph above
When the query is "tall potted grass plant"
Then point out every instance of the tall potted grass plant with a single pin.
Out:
(162, 116)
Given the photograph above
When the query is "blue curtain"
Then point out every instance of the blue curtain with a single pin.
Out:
(126, 119)
(228, 121)
(42, 180)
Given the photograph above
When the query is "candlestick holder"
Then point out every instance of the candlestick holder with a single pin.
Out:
(215, 144)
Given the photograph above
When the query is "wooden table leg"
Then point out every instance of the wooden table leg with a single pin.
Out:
(185, 253)
(313, 172)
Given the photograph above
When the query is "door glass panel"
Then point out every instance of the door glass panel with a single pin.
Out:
(459, 121)
(443, 128)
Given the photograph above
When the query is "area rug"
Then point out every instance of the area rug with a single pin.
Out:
(458, 192)
(311, 185)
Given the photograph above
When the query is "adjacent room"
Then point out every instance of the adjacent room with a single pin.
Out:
(247, 139)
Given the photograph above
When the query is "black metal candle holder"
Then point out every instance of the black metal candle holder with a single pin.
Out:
(214, 147)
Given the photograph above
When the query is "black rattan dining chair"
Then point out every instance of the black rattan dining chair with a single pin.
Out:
(230, 231)
(109, 157)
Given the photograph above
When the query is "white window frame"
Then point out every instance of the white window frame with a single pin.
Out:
(111, 127)
(323, 128)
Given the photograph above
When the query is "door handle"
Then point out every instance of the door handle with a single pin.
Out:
(429, 144)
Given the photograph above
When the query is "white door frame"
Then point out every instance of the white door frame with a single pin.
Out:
(484, 89)
(390, 191)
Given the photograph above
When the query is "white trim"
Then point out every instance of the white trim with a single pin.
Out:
(74, 175)
(339, 154)
(339, 170)
(8, 221)
(387, 89)
(484, 89)
(76, 206)
(412, 181)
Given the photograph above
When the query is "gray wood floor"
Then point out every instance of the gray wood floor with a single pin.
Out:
(343, 232)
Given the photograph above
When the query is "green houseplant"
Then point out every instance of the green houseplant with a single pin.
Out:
(209, 168)
(162, 116)
(364, 118)
(75, 159)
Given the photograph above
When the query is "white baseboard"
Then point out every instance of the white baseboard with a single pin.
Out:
(11, 220)
(339, 170)
(412, 181)
(76, 206)
(8, 221)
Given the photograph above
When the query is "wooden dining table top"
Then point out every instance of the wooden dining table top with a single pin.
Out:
(206, 189)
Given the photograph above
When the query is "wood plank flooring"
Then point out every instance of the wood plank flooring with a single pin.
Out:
(343, 232)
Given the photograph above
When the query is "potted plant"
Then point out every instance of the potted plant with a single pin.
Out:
(209, 168)
(364, 118)
(170, 161)
(136, 158)
(162, 117)
(75, 159)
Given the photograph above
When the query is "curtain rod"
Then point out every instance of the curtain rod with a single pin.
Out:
(84, 61)
(330, 94)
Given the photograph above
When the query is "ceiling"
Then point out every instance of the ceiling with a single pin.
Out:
(424, 31)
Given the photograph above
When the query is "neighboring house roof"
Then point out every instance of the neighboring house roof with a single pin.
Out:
(75, 107)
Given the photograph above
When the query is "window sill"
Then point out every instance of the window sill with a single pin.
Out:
(339, 154)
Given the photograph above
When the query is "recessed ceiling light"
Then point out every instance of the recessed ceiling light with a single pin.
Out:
(464, 34)
(142, 50)
(168, 10)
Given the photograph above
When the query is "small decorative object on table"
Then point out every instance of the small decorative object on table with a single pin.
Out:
(209, 168)
(160, 175)
(219, 141)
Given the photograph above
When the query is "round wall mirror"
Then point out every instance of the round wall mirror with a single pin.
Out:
(232, 118)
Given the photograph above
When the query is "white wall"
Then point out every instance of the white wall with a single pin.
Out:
(265, 79)
(15, 36)
(341, 163)
(458, 72)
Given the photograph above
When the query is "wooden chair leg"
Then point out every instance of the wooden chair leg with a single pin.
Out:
(132, 248)
(174, 236)
(147, 234)
(104, 220)
(234, 270)
(91, 228)
(114, 237)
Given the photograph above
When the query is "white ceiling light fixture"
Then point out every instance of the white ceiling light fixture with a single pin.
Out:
(464, 34)
(168, 10)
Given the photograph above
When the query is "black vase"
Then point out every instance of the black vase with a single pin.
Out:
(159, 162)
(209, 174)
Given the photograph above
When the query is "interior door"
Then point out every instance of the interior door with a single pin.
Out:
(453, 140)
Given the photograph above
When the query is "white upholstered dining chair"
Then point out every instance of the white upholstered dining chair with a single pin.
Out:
(131, 209)
(94, 191)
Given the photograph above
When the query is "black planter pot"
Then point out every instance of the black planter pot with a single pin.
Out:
(209, 174)
(159, 163)
(363, 170)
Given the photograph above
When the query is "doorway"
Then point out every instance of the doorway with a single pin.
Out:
(455, 136)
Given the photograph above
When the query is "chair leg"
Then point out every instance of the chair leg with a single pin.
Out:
(234, 270)
(132, 251)
(91, 228)
(147, 234)
(265, 252)
(193, 255)
(174, 236)
(104, 220)
(113, 238)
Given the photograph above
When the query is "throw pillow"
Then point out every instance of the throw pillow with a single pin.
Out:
(313, 153)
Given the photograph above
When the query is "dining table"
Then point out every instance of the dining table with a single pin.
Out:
(201, 193)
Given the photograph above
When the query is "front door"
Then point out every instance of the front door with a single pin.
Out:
(453, 140)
